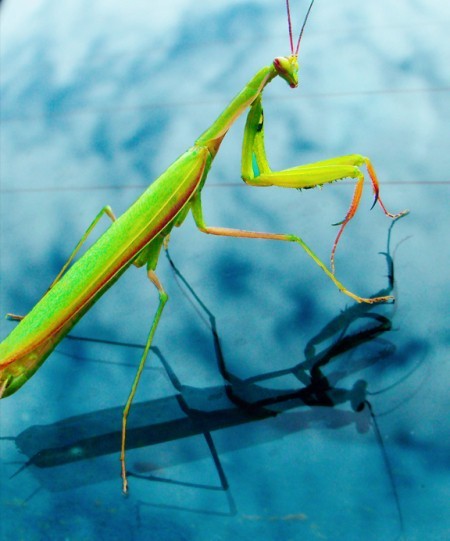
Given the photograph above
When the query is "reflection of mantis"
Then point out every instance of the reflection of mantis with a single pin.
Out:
(138, 235)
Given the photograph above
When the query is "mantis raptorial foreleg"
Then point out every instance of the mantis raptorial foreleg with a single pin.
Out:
(256, 171)
(163, 297)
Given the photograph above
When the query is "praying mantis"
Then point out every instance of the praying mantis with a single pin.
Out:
(138, 236)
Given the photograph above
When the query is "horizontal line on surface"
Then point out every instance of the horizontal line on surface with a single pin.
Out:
(218, 101)
(212, 185)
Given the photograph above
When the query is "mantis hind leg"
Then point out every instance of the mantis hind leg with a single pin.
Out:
(105, 210)
(162, 301)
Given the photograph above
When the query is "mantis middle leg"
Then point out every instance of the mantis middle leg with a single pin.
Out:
(241, 233)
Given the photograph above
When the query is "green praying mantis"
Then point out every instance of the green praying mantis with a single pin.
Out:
(137, 237)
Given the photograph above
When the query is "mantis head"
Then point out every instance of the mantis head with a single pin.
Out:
(287, 68)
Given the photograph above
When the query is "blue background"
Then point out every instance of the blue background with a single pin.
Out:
(97, 100)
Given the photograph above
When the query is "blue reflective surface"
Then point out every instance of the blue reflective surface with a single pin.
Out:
(309, 417)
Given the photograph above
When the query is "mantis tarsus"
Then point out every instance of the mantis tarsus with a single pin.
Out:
(138, 235)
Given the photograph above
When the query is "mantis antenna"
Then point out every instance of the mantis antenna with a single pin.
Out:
(291, 41)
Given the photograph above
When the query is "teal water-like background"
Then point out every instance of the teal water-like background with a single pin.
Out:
(96, 101)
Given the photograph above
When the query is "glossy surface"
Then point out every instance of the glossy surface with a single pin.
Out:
(97, 102)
